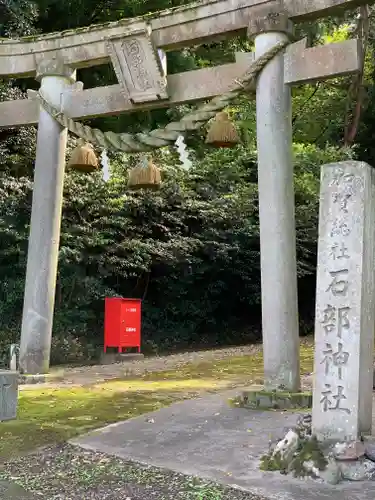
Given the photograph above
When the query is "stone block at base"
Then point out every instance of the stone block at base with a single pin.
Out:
(24, 379)
(8, 395)
(107, 358)
(275, 400)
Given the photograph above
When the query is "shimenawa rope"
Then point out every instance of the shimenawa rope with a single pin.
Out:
(167, 136)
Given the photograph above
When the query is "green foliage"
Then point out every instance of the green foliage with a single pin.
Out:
(17, 18)
(272, 463)
(309, 451)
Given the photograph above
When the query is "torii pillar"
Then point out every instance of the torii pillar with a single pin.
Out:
(44, 238)
(276, 206)
(270, 26)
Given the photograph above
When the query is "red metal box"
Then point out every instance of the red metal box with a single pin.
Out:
(122, 323)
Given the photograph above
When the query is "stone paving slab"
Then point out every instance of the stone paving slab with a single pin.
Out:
(207, 438)
(9, 491)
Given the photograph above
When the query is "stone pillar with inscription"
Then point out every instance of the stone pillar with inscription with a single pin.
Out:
(8, 395)
(45, 223)
(345, 298)
(270, 26)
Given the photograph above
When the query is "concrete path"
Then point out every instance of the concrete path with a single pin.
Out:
(207, 438)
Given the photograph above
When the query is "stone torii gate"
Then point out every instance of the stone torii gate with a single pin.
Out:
(135, 47)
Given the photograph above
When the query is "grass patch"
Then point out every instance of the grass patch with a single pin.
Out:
(48, 416)
(236, 369)
(53, 415)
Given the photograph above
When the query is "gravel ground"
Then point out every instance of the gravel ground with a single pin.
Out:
(88, 375)
(70, 473)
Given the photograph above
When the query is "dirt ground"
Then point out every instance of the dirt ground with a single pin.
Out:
(89, 375)
(70, 473)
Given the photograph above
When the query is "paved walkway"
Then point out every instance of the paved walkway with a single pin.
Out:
(207, 438)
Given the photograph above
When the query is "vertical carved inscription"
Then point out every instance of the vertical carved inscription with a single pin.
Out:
(336, 314)
(340, 228)
(336, 318)
(344, 302)
(332, 401)
(339, 251)
(138, 67)
(337, 359)
(339, 283)
(135, 58)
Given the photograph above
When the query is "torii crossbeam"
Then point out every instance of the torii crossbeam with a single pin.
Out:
(135, 49)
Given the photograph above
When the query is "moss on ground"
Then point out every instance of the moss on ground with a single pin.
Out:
(244, 369)
(53, 415)
(49, 416)
(309, 450)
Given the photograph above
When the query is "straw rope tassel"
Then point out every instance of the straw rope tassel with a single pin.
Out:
(145, 176)
(83, 158)
(222, 133)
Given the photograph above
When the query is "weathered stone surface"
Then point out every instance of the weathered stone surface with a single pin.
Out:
(369, 467)
(138, 67)
(184, 87)
(270, 26)
(311, 468)
(370, 452)
(277, 222)
(349, 451)
(205, 437)
(287, 446)
(370, 448)
(308, 65)
(344, 324)
(301, 65)
(276, 400)
(54, 67)
(332, 473)
(8, 394)
(358, 470)
(108, 358)
(43, 247)
(270, 18)
(303, 426)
